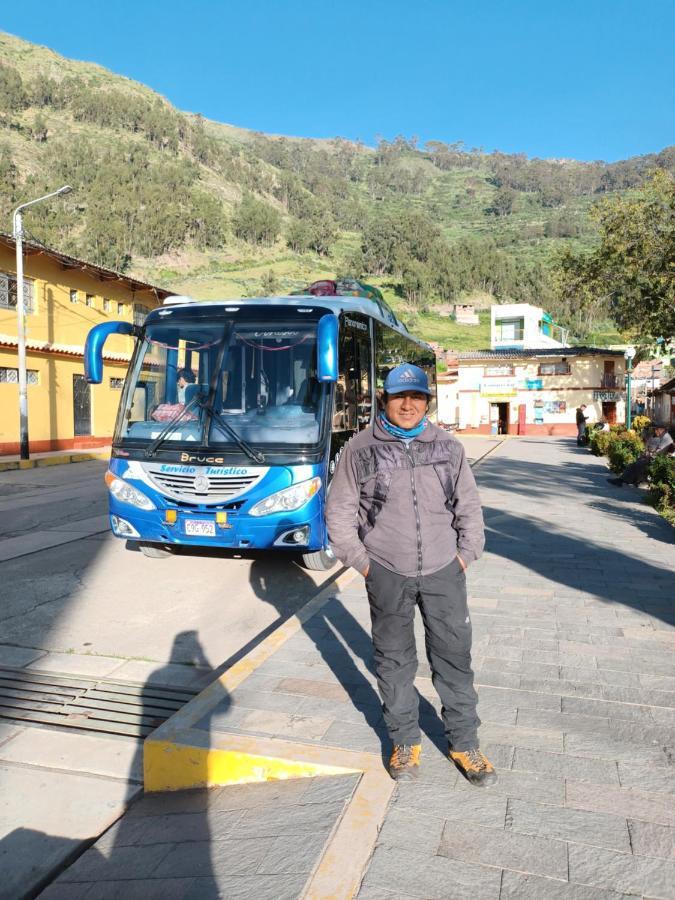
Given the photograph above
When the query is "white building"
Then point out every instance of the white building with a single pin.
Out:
(521, 326)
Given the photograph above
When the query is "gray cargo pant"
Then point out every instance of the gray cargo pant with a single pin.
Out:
(442, 600)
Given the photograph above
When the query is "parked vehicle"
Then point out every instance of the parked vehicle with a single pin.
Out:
(233, 415)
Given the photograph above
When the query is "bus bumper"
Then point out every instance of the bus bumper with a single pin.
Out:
(303, 529)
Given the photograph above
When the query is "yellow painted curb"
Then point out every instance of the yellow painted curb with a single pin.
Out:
(59, 460)
(340, 870)
(172, 767)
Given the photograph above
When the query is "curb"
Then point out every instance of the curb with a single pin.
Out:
(59, 460)
(180, 755)
(173, 758)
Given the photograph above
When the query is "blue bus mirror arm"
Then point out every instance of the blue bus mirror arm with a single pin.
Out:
(93, 348)
(327, 348)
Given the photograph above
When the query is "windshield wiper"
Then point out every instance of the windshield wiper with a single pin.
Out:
(151, 449)
(255, 455)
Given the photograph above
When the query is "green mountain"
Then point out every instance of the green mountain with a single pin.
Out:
(216, 211)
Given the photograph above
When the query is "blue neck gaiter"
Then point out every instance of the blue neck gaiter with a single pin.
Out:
(403, 434)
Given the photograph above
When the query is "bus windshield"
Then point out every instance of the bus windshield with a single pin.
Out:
(218, 383)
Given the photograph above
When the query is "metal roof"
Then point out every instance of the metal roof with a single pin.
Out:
(72, 262)
(544, 351)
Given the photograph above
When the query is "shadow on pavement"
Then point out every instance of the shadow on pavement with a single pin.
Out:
(343, 643)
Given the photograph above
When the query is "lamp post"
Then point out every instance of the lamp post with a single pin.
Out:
(628, 356)
(17, 231)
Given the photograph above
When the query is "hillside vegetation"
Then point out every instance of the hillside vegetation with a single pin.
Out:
(211, 210)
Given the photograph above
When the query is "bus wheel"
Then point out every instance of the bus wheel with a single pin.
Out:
(320, 561)
(155, 551)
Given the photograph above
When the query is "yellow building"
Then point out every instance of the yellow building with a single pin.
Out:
(64, 297)
(537, 391)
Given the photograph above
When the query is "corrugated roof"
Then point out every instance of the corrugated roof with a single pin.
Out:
(544, 351)
(72, 262)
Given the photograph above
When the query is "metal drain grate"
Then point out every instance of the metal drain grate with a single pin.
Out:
(111, 707)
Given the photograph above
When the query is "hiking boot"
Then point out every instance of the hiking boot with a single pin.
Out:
(404, 762)
(616, 481)
(474, 767)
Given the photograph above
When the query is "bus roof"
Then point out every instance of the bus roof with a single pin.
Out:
(337, 304)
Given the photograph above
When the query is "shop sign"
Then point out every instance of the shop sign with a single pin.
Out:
(498, 388)
(534, 384)
(607, 396)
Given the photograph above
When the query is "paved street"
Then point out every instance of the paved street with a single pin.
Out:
(572, 610)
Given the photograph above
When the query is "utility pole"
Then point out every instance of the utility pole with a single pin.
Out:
(17, 230)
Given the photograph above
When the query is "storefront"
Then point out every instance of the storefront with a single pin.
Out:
(538, 391)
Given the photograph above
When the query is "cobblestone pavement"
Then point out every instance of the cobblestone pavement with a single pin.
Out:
(573, 615)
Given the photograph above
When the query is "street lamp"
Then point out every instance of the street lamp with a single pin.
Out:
(17, 231)
(629, 354)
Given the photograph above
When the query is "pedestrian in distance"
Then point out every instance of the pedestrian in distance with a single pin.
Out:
(660, 443)
(581, 425)
(404, 511)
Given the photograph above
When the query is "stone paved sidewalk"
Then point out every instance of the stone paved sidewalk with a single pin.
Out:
(573, 615)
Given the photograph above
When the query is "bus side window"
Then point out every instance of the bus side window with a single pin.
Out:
(345, 416)
(364, 400)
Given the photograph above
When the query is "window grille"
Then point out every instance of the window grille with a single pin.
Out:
(73, 296)
(106, 305)
(89, 300)
(8, 293)
(117, 384)
(11, 376)
(560, 368)
(120, 309)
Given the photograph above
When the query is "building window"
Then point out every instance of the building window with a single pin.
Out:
(11, 376)
(73, 296)
(120, 309)
(491, 371)
(106, 305)
(8, 293)
(559, 368)
(140, 312)
(117, 384)
(89, 300)
(509, 329)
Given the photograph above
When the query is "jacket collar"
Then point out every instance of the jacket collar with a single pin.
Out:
(381, 435)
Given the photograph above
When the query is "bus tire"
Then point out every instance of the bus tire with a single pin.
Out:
(155, 551)
(320, 561)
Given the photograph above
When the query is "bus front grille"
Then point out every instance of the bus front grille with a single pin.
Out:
(199, 488)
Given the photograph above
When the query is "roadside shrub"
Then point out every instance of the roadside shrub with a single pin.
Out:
(623, 449)
(598, 442)
(640, 423)
(662, 478)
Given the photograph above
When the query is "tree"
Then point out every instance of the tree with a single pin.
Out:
(256, 222)
(632, 272)
(503, 202)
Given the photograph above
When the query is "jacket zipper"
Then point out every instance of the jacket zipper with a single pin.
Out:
(416, 508)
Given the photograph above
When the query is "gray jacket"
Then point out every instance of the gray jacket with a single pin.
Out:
(411, 507)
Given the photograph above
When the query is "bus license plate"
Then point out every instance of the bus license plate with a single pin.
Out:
(201, 527)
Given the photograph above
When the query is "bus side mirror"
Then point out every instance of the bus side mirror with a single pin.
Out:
(327, 348)
(93, 348)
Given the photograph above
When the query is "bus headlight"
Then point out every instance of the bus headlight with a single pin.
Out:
(287, 500)
(127, 493)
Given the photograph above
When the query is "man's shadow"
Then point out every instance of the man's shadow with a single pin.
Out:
(346, 647)
(160, 835)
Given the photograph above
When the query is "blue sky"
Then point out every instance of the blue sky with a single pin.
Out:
(589, 80)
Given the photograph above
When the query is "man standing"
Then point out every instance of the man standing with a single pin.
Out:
(404, 511)
(660, 443)
(581, 425)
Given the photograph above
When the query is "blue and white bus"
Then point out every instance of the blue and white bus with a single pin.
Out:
(234, 413)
